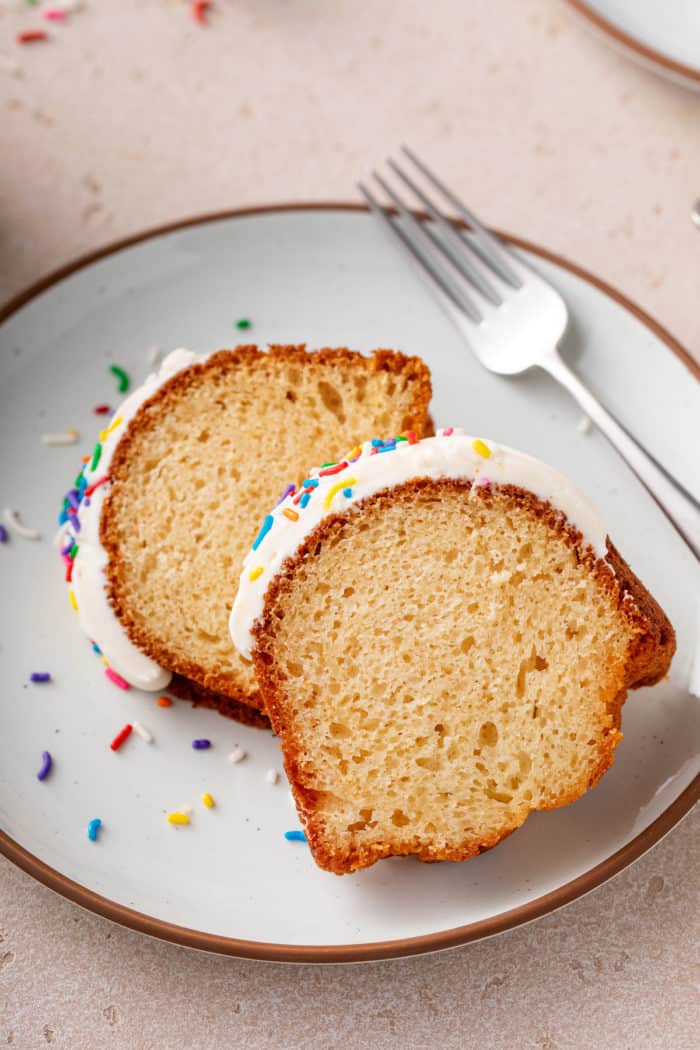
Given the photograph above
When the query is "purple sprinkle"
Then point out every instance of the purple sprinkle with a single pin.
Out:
(68, 547)
(73, 518)
(86, 501)
(289, 489)
(201, 745)
(46, 763)
(72, 498)
(4, 537)
(40, 676)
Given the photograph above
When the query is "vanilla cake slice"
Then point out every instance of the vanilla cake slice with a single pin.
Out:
(161, 516)
(444, 637)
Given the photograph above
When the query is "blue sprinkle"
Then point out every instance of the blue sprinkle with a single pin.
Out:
(347, 493)
(310, 483)
(201, 745)
(304, 500)
(295, 836)
(46, 763)
(93, 827)
(386, 448)
(4, 537)
(40, 676)
(266, 526)
(287, 492)
(83, 484)
(377, 443)
(96, 649)
(63, 517)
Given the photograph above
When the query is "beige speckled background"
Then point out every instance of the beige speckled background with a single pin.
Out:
(130, 116)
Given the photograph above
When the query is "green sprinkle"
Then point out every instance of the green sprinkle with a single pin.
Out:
(243, 323)
(96, 456)
(331, 464)
(400, 438)
(73, 551)
(77, 481)
(122, 377)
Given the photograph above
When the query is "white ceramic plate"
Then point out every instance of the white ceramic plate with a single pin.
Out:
(230, 882)
(661, 34)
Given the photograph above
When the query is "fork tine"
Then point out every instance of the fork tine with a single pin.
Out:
(461, 261)
(445, 268)
(492, 251)
(443, 288)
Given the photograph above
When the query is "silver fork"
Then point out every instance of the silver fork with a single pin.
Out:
(511, 318)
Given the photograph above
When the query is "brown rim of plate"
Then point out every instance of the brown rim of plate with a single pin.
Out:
(345, 953)
(632, 43)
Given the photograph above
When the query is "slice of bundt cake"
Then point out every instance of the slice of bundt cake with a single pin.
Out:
(162, 514)
(444, 637)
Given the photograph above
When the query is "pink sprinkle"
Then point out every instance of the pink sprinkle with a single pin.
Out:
(448, 432)
(53, 14)
(484, 482)
(116, 678)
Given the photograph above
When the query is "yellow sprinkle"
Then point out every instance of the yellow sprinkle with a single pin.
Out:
(207, 800)
(346, 483)
(254, 573)
(178, 818)
(105, 661)
(73, 599)
(355, 454)
(73, 432)
(291, 514)
(104, 434)
(480, 448)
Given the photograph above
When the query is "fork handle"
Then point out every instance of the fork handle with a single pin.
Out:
(680, 506)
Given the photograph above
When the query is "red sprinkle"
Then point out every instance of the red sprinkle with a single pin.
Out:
(164, 701)
(411, 436)
(333, 470)
(69, 570)
(199, 11)
(121, 737)
(95, 485)
(101, 410)
(448, 432)
(32, 36)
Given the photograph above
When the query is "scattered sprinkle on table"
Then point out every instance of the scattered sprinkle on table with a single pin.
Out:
(272, 776)
(101, 410)
(69, 437)
(238, 755)
(198, 9)
(243, 324)
(122, 377)
(295, 836)
(12, 519)
(4, 535)
(164, 701)
(54, 14)
(178, 817)
(201, 745)
(93, 827)
(143, 732)
(208, 800)
(584, 425)
(46, 763)
(32, 36)
(40, 676)
(121, 736)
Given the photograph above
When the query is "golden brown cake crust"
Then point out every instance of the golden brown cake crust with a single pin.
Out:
(246, 714)
(649, 658)
(410, 369)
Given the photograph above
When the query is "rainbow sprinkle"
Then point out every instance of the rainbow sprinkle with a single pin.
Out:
(46, 764)
(116, 678)
(481, 448)
(266, 526)
(40, 676)
(178, 817)
(347, 483)
(207, 800)
(4, 534)
(295, 836)
(93, 828)
(164, 701)
(121, 736)
(243, 324)
(201, 745)
(122, 377)
(255, 573)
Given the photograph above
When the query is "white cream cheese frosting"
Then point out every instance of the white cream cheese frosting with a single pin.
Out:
(88, 583)
(378, 465)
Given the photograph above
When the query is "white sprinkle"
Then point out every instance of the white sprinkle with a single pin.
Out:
(142, 732)
(238, 755)
(154, 356)
(584, 425)
(69, 438)
(272, 776)
(13, 521)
